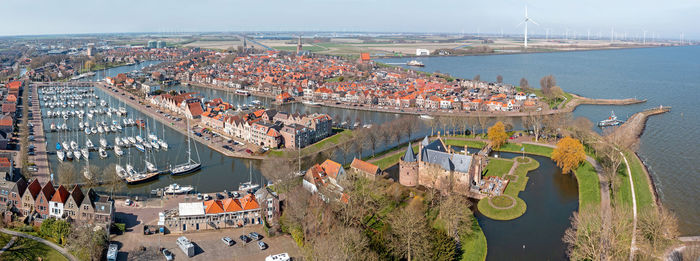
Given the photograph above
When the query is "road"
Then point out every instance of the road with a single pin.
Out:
(61, 250)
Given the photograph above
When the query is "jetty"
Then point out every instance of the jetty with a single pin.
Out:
(630, 131)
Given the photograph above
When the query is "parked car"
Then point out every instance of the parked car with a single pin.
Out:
(254, 235)
(262, 245)
(199, 196)
(228, 241)
(244, 238)
(168, 255)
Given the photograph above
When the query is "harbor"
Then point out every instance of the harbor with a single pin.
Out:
(145, 149)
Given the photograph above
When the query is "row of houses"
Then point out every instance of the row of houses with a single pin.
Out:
(9, 95)
(34, 202)
(252, 208)
(271, 128)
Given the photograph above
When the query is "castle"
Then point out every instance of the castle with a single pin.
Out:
(440, 167)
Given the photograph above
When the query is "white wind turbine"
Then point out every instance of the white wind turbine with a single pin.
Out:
(525, 21)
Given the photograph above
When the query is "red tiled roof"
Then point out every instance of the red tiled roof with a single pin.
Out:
(364, 166)
(34, 188)
(61, 195)
(213, 207)
(331, 168)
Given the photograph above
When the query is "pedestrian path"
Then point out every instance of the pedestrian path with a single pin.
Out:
(8, 245)
(634, 209)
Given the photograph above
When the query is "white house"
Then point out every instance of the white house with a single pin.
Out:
(58, 201)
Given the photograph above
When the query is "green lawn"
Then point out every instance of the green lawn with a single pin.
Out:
(513, 189)
(498, 167)
(642, 189)
(389, 161)
(27, 249)
(622, 196)
(461, 143)
(588, 185)
(474, 244)
(529, 149)
(310, 48)
(313, 148)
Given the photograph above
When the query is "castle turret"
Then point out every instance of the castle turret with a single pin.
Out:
(408, 167)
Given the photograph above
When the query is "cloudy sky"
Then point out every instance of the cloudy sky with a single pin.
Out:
(667, 18)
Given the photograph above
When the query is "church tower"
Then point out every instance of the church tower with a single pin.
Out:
(299, 46)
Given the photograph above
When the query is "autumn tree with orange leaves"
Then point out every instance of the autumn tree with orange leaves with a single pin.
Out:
(568, 154)
(497, 135)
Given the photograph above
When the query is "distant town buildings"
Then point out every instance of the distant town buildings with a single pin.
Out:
(422, 52)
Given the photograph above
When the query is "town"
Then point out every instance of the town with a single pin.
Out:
(339, 145)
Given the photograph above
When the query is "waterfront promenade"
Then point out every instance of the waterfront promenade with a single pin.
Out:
(40, 157)
(140, 104)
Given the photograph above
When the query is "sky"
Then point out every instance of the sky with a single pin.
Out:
(666, 19)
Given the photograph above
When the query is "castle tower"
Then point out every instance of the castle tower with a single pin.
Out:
(408, 168)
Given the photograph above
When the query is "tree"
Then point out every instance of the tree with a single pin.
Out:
(534, 121)
(497, 135)
(66, 174)
(483, 121)
(444, 247)
(594, 237)
(280, 171)
(432, 123)
(346, 145)
(546, 83)
(410, 234)
(568, 154)
(455, 213)
(524, 84)
(657, 230)
(373, 137)
(477, 78)
(499, 79)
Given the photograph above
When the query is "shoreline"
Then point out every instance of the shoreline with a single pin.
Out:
(569, 107)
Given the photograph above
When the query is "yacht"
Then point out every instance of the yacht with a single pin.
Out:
(118, 151)
(60, 154)
(103, 153)
(246, 186)
(177, 189)
(191, 165)
(140, 147)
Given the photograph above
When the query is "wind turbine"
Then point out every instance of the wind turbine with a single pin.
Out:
(525, 21)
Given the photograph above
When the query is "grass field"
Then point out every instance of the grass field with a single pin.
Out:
(513, 189)
(642, 189)
(293, 48)
(474, 244)
(338, 134)
(498, 167)
(27, 249)
(461, 143)
(389, 161)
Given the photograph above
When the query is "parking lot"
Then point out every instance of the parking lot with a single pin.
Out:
(209, 246)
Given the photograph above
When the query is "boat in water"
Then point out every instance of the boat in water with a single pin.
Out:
(415, 63)
(610, 121)
(426, 117)
(311, 103)
(249, 185)
(177, 189)
(242, 92)
(103, 153)
(191, 165)
(61, 155)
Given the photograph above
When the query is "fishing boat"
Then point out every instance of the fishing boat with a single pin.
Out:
(191, 165)
(177, 189)
(610, 121)
(103, 153)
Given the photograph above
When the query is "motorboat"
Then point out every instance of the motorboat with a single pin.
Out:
(140, 147)
(610, 121)
(103, 153)
(177, 189)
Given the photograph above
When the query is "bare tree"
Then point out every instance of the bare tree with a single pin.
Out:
(499, 79)
(346, 145)
(280, 171)
(483, 121)
(385, 136)
(454, 211)
(66, 174)
(410, 233)
(594, 237)
(657, 231)
(473, 122)
(432, 123)
(546, 83)
(524, 84)
(534, 121)
(373, 137)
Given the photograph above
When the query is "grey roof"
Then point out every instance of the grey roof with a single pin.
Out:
(436, 153)
(425, 141)
(408, 156)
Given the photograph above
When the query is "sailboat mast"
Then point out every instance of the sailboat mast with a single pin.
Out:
(189, 148)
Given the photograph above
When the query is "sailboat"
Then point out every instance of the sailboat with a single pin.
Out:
(60, 155)
(246, 186)
(120, 171)
(103, 142)
(190, 165)
(103, 152)
(118, 150)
